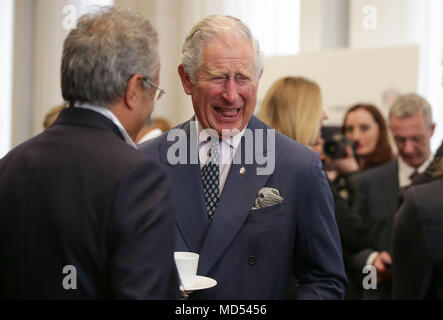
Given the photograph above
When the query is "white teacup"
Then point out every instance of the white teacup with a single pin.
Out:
(187, 263)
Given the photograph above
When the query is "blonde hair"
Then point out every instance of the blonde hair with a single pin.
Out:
(293, 106)
(52, 115)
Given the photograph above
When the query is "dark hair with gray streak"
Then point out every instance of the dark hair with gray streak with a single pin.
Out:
(215, 26)
(104, 51)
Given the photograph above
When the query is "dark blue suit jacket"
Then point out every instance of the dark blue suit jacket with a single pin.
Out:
(252, 253)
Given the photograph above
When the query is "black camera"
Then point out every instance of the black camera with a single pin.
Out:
(335, 147)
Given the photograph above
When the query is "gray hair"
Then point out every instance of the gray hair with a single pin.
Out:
(409, 105)
(108, 47)
(215, 26)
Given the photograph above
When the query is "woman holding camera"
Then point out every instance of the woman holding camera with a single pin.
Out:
(293, 106)
(365, 127)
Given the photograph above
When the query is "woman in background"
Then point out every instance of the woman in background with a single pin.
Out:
(366, 128)
(293, 106)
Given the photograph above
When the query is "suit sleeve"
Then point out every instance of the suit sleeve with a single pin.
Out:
(318, 257)
(355, 262)
(354, 230)
(142, 236)
(411, 267)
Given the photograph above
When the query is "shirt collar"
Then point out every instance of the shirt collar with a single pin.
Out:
(203, 136)
(111, 116)
(405, 171)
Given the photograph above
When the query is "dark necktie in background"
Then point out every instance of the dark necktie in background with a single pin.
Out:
(414, 175)
(403, 190)
(210, 177)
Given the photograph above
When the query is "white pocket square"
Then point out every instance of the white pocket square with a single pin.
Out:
(267, 197)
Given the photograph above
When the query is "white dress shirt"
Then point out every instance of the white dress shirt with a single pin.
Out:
(405, 171)
(226, 151)
(108, 114)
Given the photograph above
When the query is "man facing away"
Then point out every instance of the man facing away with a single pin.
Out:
(84, 215)
(253, 203)
(380, 189)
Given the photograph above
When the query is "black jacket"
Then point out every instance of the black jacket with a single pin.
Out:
(77, 195)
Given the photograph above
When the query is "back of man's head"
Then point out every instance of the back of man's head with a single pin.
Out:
(103, 52)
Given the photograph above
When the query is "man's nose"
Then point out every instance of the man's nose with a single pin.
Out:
(408, 146)
(231, 91)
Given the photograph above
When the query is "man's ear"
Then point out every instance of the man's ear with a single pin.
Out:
(186, 81)
(432, 129)
(259, 77)
(131, 91)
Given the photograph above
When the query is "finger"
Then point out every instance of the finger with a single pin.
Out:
(349, 150)
(385, 257)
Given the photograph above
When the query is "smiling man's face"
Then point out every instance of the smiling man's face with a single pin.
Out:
(224, 94)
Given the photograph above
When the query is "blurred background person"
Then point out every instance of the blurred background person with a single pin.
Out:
(418, 237)
(365, 128)
(152, 128)
(52, 115)
(293, 106)
(379, 190)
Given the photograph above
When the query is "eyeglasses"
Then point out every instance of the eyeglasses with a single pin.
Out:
(159, 92)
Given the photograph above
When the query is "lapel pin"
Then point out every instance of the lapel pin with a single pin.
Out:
(242, 171)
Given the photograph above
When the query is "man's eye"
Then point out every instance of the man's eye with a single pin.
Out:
(242, 79)
(219, 79)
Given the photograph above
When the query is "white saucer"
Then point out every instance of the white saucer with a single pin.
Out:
(201, 283)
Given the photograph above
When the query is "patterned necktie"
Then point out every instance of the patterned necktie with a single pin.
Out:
(210, 176)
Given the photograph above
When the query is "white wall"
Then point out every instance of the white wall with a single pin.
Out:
(407, 22)
(349, 76)
(6, 37)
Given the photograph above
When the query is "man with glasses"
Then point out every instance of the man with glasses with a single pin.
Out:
(84, 215)
(159, 92)
(380, 189)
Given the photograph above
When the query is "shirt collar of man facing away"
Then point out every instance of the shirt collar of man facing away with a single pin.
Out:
(111, 116)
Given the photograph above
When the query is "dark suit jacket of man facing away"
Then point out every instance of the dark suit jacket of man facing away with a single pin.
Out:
(377, 200)
(251, 253)
(78, 195)
(417, 244)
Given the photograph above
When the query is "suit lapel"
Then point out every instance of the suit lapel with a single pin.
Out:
(191, 220)
(236, 201)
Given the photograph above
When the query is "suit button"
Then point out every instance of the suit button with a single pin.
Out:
(251, 260)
